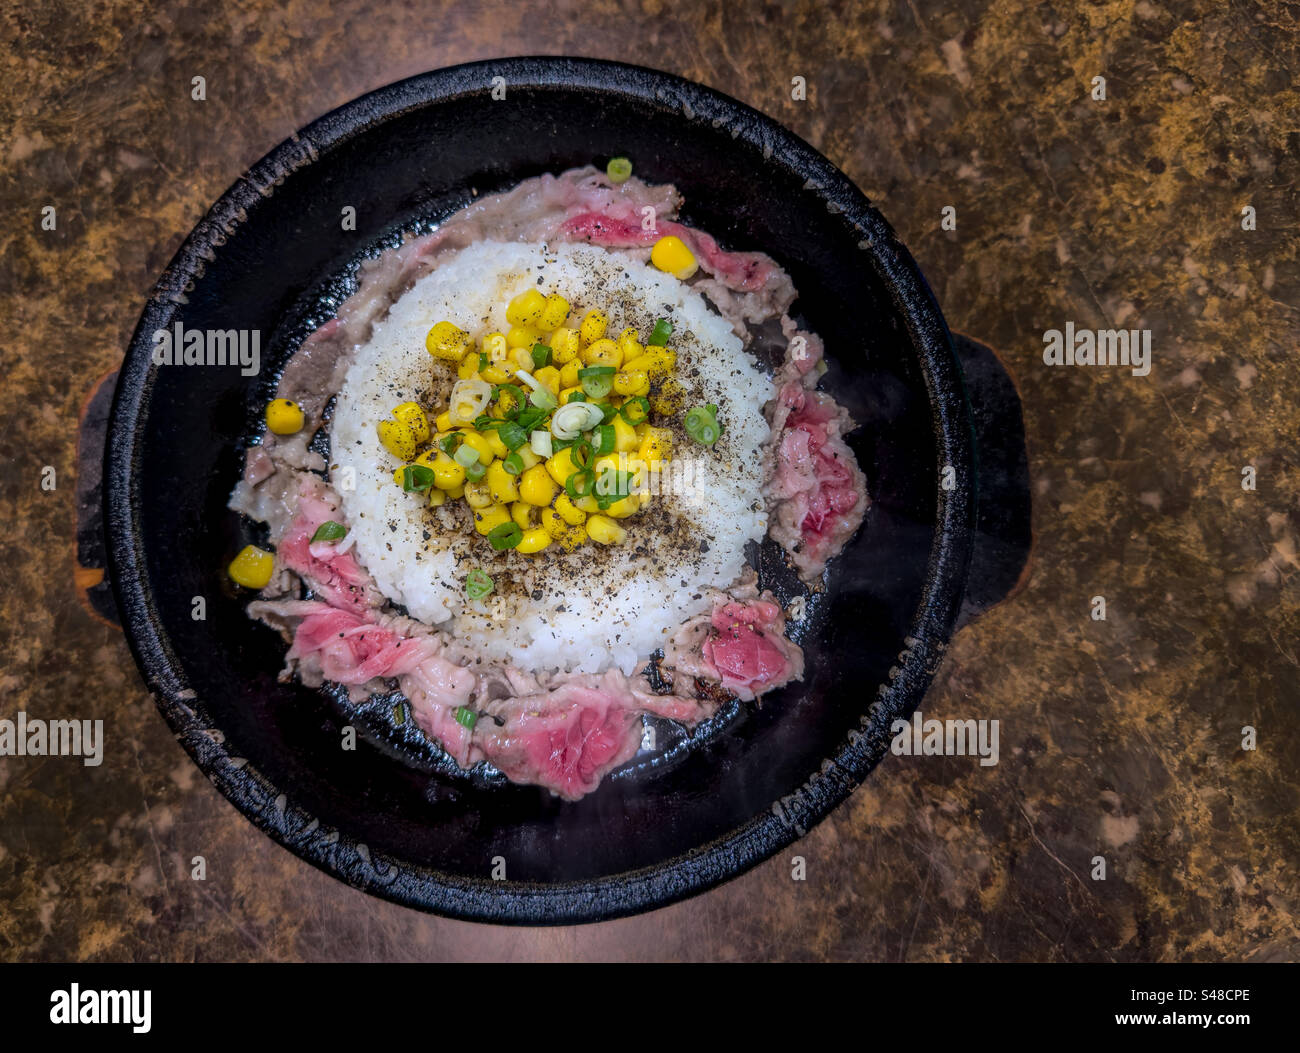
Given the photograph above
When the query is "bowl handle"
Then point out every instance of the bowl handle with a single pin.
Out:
(1000, 558)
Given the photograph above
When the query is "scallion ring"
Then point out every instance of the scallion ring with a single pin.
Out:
(702, 424)
(597, 381)
(416, 478)
(541, 356)
(478, 584)
(619, 170)
(662, 331)
(540, 443)
(476, 471)
(466, 718)
(635, 410)
(505, 536)
(512, 435)
(465, 456)
(580, 484)
(604, 439)
(513, 463)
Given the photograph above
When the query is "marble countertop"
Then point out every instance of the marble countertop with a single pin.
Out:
(1120, 739)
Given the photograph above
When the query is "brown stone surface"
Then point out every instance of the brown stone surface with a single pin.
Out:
(1120, 738)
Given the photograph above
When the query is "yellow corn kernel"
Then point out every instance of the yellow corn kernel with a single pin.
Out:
(536, 486)
(398, 439)
(522, 336)
(569, 373)
(529, 458)
(526, 308)
(501, 484)
(447, 474)
(522, 513)
(625, 437)
(671, 254)
(468, 368)
(491, 517)
(594, 324)
(563, 397)
(605, 531)
(633, 383)
(569, 512)
(284, 417)
(603, 353)
(443, 422)
(534, 540)
(437, 497)
(629, 343)
(477, 495)
(657, 361)
(496, 375)
(561, 466)
(587, 505)
(251, 568)
(549, 378)
(522, 358)
(671, 398)
(554, 314)
(564, 345)
(657, 446)
(447, 342)
(625, 506)
(498, 448)
(569, 537)
(410, 414)
(478, 442)
(455, 493)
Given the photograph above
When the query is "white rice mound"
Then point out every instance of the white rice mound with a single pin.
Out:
(598, 606)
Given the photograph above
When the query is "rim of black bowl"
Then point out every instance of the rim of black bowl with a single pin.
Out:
(672, 879)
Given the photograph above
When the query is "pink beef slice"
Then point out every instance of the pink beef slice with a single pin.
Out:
(335, 576)
(819, 491)
(748, 651)
(351, 649)
(568, 737)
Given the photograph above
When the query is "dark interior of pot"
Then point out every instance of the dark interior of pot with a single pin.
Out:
(278, 272)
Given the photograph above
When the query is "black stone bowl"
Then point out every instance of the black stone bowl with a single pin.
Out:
(389, 817)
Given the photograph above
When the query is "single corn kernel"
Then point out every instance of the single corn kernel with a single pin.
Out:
(603, 352)
(478, 442)
(671, 398)
(561, 466)
(657, 446)
(447, 473)
(443, 421)
(522, 513)
(569, 373)
(549, 378)
(554, 314)
(501, 484)
(477, 495)
(569, 512)
(398, 439)
(524, 336)
(410, 414)
(468, 368)
(454, 494)
(568, 537)
(625, 506)
(593, 327)
(437, 497)
(491, 517)
(284, 417)
(566, 393)
(604, 531)
(625, 436)
(526, 308)
(498, 448)
(251, 568)
(588, 504)
(657, 361)
(447, 342)
(529, 458)
(629, 343)
(564, 345)
(534, 540)
(671, 254)
(496, 374)
(634, 383)
(536, 486)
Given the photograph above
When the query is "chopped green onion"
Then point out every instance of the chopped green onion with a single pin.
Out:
(516, 394)
(449, 444)
(702, 424)
(478, 584)
(619, 169)
(608, 411)
(465, 456)
(482, 361)
(531, 417)
(540, 443)
(662, 331)
(580, 484)
(476, 471)
(486, 423)
(329, 531)
(597, 381)
(582, 453)
(635, 410)
(505, 536)
(513, 463)
(466, 718)
(575, 396)
(512, 435)
(605, 439)
(543, 400)
(416, 478)
(541, 356)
